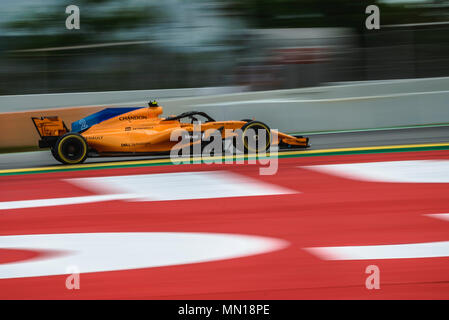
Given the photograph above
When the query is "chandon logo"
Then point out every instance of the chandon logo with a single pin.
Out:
(132, 118)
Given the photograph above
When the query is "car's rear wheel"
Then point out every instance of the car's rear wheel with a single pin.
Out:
(70, 148)
(54, 152)
(254, 137)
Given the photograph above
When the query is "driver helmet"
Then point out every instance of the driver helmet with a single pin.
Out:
(153, 103)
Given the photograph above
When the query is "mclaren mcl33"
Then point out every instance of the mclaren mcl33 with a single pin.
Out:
(142, 130)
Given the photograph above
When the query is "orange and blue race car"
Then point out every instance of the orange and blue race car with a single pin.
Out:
(142, 130)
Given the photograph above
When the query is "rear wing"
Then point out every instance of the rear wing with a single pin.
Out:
(49, 129)
(50, 126)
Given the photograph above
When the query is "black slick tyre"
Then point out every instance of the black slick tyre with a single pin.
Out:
(254, 137)
(71, 148)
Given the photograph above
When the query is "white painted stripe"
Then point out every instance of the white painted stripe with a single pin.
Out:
(395, 251)
(98, 252)
(86, 46)
(23, 204)
(159, 187)
(442, 216)
(181, 185)
(415, 24)
(416, 171)
(345, 99)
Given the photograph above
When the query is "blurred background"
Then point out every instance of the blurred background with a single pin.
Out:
(261, 44)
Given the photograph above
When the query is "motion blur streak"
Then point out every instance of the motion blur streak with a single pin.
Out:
(184, 44)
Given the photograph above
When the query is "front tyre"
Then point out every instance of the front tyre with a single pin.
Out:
(255, 137)
(70, 148)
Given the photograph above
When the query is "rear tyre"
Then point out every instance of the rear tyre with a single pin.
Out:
(55, 154)
(255, 137)
(70, 148)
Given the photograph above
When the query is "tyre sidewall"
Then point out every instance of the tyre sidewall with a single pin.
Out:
(250, 125)
(59, 153)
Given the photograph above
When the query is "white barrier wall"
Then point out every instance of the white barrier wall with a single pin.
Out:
(342, 106)
(373, 104)
(339, 114)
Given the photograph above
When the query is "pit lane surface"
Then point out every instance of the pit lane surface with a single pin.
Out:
(319, 142)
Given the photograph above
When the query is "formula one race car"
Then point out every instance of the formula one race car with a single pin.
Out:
(138, 131)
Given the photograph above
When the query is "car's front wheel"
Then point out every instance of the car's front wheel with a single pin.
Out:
(254, 137)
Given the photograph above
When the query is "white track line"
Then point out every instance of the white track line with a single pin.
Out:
(23, 204)
(159, 187)
(412, 171)
(394, 251)
(98, 252)
(442, 216)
